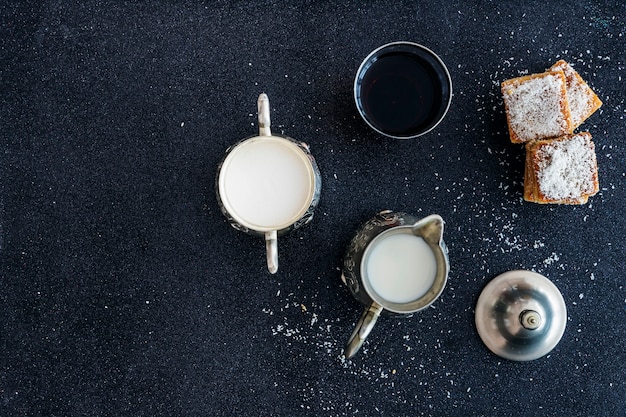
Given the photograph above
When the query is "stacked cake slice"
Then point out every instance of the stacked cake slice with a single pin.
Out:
(542, 111)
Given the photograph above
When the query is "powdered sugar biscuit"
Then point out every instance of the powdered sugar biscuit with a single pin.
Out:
(583, 102)
(537, 107)
(562, 170)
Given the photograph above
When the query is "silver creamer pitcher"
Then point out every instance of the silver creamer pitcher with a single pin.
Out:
(396, 264)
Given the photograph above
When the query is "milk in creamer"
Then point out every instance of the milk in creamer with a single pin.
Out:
(400, 268)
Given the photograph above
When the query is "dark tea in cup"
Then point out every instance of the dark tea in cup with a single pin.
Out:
(402, 90)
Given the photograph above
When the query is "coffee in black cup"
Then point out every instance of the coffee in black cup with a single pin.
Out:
(402, 90)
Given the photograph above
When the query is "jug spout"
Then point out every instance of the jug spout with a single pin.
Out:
(430, 228)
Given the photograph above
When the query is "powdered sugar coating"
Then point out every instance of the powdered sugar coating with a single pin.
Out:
(536, 106)
(567, 169)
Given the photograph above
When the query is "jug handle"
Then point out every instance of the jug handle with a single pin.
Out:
(271, 247)
(271, 242)
(363, 328)
(263, 108)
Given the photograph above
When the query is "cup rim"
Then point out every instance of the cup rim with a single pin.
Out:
(389, 45)
(422, 302)
(223, 195)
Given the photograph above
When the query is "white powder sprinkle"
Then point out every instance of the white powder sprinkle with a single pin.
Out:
(551, 259)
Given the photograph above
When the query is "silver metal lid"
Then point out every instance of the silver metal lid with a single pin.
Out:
(520, 315)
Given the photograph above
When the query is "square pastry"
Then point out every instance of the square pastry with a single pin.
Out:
(583, 102)
(536, 106)
(561, 170)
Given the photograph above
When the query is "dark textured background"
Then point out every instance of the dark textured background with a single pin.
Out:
(124, 292)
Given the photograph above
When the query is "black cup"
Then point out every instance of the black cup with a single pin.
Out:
(402, 90)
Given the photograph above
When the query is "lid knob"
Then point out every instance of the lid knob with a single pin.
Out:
(530, 319)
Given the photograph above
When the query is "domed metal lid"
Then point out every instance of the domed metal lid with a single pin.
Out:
(520, 315)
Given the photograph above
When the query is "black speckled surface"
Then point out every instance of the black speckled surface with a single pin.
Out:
(124, 292)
